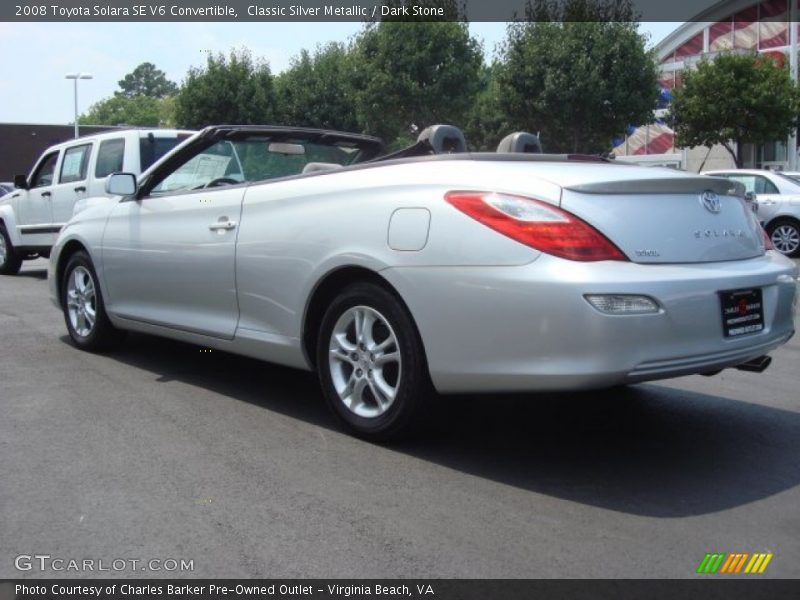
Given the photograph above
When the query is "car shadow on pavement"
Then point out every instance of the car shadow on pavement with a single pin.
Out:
(648, 450)
(33, 273)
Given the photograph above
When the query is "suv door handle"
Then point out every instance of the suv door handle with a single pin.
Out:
(222, 225)
(45, 194)
(80, 188)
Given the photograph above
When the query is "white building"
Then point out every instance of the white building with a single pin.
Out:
(728, 25)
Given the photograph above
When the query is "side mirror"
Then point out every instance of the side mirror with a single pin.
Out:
(121, 184)
(21, 182)
(751, 199)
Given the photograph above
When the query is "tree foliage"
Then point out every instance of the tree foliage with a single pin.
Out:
(232, 89)
(415, 74)
(143, 100)
(317, 90)
(732, 100)
(486, 124)
(146, 80)
(576, 71)
(577, 11)
(577, 82)
(140, 111)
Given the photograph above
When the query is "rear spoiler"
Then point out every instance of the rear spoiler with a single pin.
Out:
(666, 185)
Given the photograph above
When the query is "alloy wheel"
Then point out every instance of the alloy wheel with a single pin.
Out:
(81, 301)
(786, 239)
(364, 361)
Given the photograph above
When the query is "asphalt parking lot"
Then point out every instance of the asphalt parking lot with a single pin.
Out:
(161, 451)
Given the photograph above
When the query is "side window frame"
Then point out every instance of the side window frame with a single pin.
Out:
(84, 172)
(38, 169)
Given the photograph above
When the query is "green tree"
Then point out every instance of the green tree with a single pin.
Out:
(141, 111)
(487, 124)
(732, 100)
(415, 74)
(234, 89)
(146, 80)
(578, 81)
(317, 90)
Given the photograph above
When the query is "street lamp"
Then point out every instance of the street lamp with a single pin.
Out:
(75, 77)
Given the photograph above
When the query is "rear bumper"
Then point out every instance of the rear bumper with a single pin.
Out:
(530, 327)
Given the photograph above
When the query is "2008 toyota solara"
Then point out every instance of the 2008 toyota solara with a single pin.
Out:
(432, 269)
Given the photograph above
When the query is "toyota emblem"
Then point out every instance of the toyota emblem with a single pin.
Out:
(711, 201)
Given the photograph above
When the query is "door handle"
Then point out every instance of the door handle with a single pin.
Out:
(222, 225)
(80, 188)
(46, 194)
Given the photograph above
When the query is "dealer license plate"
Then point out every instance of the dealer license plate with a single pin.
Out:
(742, 312)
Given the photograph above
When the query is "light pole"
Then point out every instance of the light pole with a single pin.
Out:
(75, 77)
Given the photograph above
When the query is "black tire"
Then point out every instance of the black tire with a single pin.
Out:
(12, 261)
(102, 335)
(786, 225)
(414, 392)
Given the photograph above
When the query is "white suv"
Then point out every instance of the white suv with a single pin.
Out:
(32, 215)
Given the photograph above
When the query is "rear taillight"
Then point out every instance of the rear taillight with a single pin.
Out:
(536, 224)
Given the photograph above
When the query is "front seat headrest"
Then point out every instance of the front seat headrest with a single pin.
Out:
(443, 139)
(520, 141)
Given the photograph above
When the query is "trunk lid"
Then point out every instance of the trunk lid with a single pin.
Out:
(670, 220)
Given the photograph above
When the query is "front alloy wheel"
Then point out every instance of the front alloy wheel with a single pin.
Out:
(785, 236)
(372, 365)
(82, 303)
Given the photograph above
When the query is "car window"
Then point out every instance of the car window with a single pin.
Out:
(218, 161)
(255, 158)
(752, 183)
(75, 163)
(765, 186)
(152, 148)
(109, 157)
(43, 175)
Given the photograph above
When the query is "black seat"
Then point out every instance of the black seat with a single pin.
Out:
(443, 139)
(520, 141)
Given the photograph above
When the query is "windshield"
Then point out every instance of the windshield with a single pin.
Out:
(256, 158)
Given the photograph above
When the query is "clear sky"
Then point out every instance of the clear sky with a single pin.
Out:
(36, 56)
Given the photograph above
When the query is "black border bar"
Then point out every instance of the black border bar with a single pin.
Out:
(703, 587)
(307, 10)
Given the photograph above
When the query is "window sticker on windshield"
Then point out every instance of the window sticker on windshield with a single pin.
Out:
(198, 171)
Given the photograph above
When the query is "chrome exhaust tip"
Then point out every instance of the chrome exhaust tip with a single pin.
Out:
(756, 365)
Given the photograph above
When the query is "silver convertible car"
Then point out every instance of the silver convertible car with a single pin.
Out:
(428, 270)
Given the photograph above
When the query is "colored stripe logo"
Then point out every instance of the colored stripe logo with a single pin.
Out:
(733, 563)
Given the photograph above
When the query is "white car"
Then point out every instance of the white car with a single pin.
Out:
(777, 198)
(32, 215)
